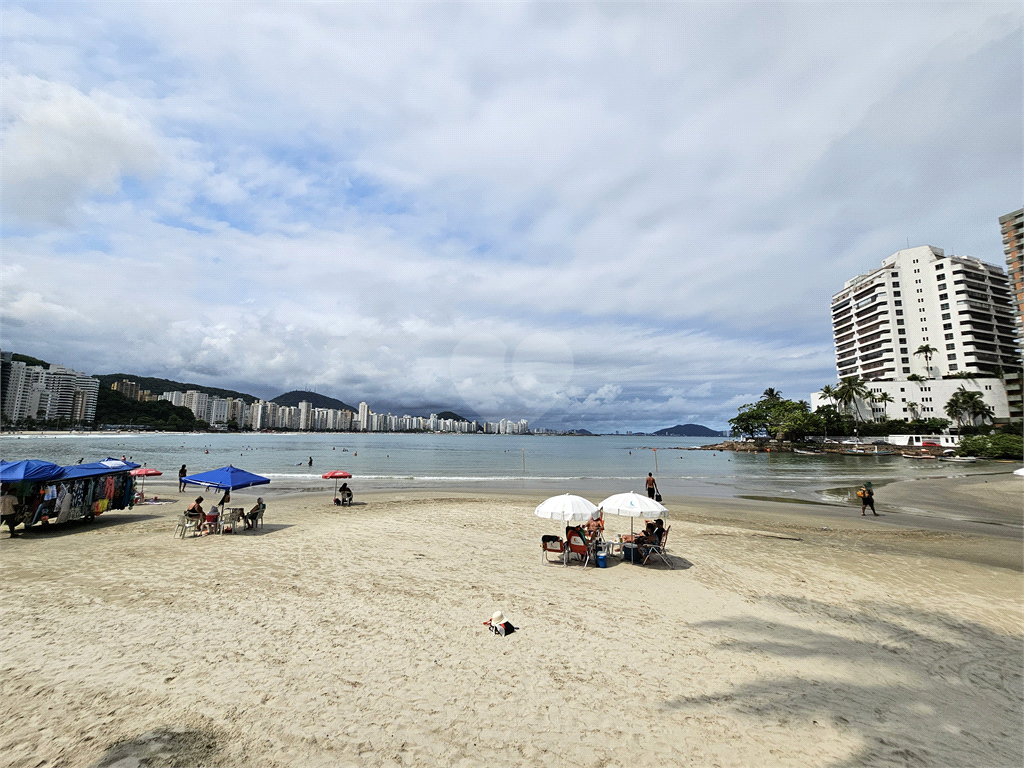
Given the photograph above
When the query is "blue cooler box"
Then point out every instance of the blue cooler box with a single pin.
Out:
(602, 560)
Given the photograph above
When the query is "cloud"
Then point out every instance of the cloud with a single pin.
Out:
(61, 145)
(599, 216)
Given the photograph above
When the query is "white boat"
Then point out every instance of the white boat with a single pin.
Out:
(959, 459)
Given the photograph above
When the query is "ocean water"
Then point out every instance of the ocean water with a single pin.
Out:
(590, 466)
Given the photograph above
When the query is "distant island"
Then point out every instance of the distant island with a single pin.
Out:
(688, 430)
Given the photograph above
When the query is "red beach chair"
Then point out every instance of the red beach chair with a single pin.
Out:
(551, 544)
(576, 542)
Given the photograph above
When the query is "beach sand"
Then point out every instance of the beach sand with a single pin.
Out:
(785, 635)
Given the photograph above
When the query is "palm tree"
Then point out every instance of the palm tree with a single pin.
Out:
(828, 392)
(916, 376)
(849, 391)
(772, 395)
(885, 398)
(927, 350)
(912, 407)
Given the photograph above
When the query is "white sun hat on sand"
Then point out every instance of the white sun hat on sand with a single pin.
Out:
(497, 618)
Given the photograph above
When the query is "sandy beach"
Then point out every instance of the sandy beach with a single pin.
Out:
(785, 635)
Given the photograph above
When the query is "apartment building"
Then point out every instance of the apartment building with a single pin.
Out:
(956, 307)
(56, 392)
(1012, 227)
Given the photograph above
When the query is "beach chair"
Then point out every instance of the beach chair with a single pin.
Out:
(576, 542)
(258, 520)
(551, 545)
(648, 551)
(186, 523)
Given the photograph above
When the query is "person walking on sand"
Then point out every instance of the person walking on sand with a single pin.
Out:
(867, 499)
(181, 474)
(652, 486)
(311, 461)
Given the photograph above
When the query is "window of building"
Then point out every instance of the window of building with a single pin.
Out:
(951, 346)
(952, 366)
(894, 274)
(988, 387)
(920, 301)
(924, 338)
(904, 360)
(940, 265)
(901, 331)
(943, 296)
(940, 277)
(903, 389)
(906, 370)
(899, 312)
(904, 351)
(944, 306)
(896, 293)
(949, 335)
(898, 303)
(951, 357)
(942, 286)
(947, 326)
(899, 322)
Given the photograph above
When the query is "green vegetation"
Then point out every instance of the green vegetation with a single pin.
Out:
(967, 407)
(159, 386)
(114, 408)
(775, 417)
(998, 446)
(29, 360)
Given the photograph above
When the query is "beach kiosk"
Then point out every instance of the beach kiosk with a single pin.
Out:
(48, 493)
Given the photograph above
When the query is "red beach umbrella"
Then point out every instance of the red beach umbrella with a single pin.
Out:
(335, 474)
(145, 472)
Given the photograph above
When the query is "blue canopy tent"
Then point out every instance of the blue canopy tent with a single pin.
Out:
(29, 470)
(227, 478)
(106, 467)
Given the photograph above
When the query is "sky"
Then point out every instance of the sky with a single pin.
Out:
(601, 216)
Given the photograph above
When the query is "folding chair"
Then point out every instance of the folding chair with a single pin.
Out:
(657, 550)
(576, 541)
(554, 545)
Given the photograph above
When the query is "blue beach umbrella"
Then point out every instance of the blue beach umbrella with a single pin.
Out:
(30, 470)
(226, 479)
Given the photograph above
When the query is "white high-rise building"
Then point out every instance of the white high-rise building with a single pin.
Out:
(305, 415)
(196, 402)
(364, 417)
(956, 307)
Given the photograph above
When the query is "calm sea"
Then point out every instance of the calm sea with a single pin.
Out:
(590, 466)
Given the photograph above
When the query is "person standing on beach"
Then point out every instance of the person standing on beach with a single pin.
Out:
(311, 461)
(867, 499)
(652, 486)
(9, 512)
(181, 474)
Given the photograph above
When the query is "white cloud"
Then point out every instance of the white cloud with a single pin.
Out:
(594, 215)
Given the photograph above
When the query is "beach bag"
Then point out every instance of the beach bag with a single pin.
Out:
(861, 494)
(657, 497)
(505, 628)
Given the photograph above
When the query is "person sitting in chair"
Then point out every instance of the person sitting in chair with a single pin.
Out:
(595, 525)
(639, 538)
(254, 513)
(195, 511)
(652, 534)
(345, 494)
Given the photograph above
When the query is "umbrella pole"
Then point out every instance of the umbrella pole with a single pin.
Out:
(335, 489)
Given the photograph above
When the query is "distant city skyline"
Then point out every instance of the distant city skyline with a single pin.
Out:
(609, 217)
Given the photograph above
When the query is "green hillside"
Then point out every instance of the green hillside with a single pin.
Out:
(159, 386)
(293, 398)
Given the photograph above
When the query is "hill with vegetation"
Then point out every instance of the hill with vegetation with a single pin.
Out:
(688, 430)
(27, 360)
(114, 408)
(293, 398)
(451, 415)
(159, 386)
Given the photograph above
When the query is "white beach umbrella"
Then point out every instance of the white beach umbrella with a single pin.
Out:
(631, 505)
(565, 508)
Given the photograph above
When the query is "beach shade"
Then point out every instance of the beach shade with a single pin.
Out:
(98, 468)
(631, 505)
(226, 479)
(29, 470)
(145, 472)
(335, 474)
(565, 508)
